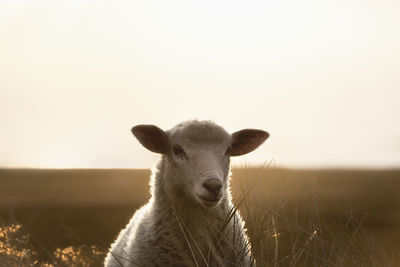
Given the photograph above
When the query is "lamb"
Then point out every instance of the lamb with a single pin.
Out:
(190, 219)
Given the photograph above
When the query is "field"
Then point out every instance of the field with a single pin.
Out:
(294, 217)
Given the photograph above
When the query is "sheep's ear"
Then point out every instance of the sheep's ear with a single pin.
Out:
(152, 138)
(245, 141)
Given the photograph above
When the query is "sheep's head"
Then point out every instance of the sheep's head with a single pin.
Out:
(198, 156)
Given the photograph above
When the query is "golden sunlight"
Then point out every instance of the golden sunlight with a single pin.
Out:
(77, 75)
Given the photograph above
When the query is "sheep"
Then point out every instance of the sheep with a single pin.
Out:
(190, 219)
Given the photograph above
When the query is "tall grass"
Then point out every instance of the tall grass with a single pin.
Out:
(305, 230)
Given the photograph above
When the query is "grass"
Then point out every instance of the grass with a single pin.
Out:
(302, 227)
(293, 219)
(308, 237)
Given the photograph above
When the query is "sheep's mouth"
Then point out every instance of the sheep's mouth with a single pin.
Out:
(210, 201)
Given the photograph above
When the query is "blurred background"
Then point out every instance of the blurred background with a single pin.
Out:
(322, 77)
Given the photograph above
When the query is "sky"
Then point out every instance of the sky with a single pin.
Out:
(322, 77)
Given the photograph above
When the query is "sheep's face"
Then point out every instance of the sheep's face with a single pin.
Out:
(201, 170)
(198, 155)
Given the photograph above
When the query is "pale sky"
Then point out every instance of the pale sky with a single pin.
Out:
(322, 77)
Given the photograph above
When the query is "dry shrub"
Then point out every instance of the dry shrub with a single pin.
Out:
(84, 256)
(16, 250)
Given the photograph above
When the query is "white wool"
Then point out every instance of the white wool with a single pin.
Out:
(177, 227)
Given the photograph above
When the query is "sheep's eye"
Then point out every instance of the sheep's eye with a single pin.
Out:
(178, 151)
(228, 151)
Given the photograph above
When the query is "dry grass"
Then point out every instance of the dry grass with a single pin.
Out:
(297, 223)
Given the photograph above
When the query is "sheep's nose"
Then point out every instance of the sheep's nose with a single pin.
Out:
(213, 185)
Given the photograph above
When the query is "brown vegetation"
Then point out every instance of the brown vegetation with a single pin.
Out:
(294, 217)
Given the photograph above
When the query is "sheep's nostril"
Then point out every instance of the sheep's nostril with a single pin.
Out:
(213, 185)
